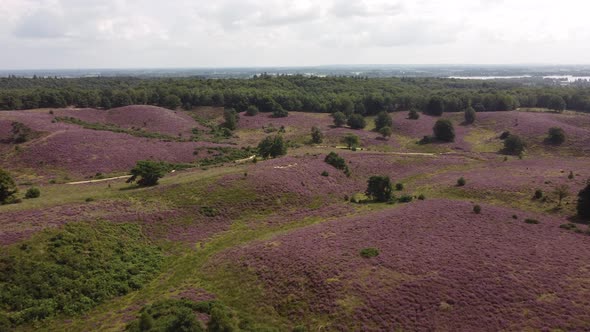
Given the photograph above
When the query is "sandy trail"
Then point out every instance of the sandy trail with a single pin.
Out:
(101, 180)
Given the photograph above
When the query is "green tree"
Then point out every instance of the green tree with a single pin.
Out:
(514, 145)
(252, 110)
(556, 136)
(272, 146)
(357, 121)
(146, 322)
(383, 119)
(339, 119)
(583, 206)
(279, 112)
(351, 141)
(386, 132)
(379, 188)
(413, 114)
(436, 106)
(561, 191)
(444, 130)
(7, 186)
(470, 115)
(556, 103)
(317, 136)
(21, 133)
(148, 171)
(231, 118)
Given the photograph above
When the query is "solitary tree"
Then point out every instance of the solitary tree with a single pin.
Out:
(444, 130)
(339, 119)
(351, 141)
(583, 206)
(386, 132)
(514, 145)
(317, 136)
(470, 115)
(379, 188)
(561, 191)
(148, 171)
(231, 118)
(413, 114)
(556, 136)
(272, 146)
(7, 186)
(436, 106)
(357, 121)
(252, 110)
(383, 119)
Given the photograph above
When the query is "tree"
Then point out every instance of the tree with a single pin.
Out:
(280, 112)
(146, 322)
(561, 191)
(33, 192)
(339, 119)
(443, 130)
(556, 136)
(231, 118)
(351, 141)
(7, 186)
(470, 115)
(386, 132)
(172, 102)
(21, 132)
(413, 115)
(514, 145)
(148, 171)
(272, 146)
(556, 103)
(383, 119)
(252, 110)
(317, 136)
(436, 106)
(379, 188)
(357, 121)
(583, 206)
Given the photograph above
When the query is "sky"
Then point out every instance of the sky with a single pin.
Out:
(58, 34)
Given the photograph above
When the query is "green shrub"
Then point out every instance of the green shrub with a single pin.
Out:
(444, 131)
(369, 252)
(538, 194)
(477, 209)
(339, 119)
(514, 145)
(231, 118)
(272, 146)
(413, 115)
(571, 175)
(383, 120)
(357, 121)
(504, 135)
(148, 172)
(405, 199)
(7, 187)
(351, 141)
(33, 192)
(461, 182)
(531, 221)
(556, 136)
(317, 136)
(379, 188)
(569, 226)
(325, 173)
(470, 115)
(421, 197)
(583, 205)
(252, 110)
(399, 186)
(514, 216)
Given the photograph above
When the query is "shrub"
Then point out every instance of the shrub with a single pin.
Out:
(571, 175)
(382, 120)
(280, 112)
(33, 192)
(477, 209)
(421, 197)
(325, 173)
(425, 140)
(514, 216)
(386, 132)
(357, 121)
(583, 206)
(379, 188)
(413, 115)
(369, 252)
(561, 191)
(443, 130)
(231, 118)
(514, 145)
(7, 186)
(272, 146)
(148, 171)
(504, 135)
(568, 226)
(405, 199)
(556, 136)
(436, 106)
(89, 199)
(538, 194)
(399, 186)
(461, 182)
(531, 221)
(339, 119)
(252, 110)
(317, 136)
(470, 115)
(21, 133)
(338, 162)
(351, 141)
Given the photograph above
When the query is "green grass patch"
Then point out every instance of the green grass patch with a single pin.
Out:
(116, 129)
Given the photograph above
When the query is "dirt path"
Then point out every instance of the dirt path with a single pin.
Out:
(101, 180)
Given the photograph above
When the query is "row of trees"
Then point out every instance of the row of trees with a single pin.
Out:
(288, 93)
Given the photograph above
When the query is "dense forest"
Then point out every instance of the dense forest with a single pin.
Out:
(289, 93)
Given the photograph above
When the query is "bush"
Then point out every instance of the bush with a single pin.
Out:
(470, 115)
(436, 106)
(556, 136)
(280, 112)
(538, 194)
(399, 186)
(252, 110)
(33, 192)
(7, 186)
(272, 146)
(477, 209)
(444, 130)
(413, 115)
(531, 221)
(583, 206)
(338, 162)
(148, 171)
(571, 175)
(461, 182)
(514, 145)
(405, 199)
(386, 132)
(21, 133)
(382, 120)
(325, 173)
(231, 118)
(504, 135)
(421, 197)
(351, 141)
(379, 188)
(317, 136)
(356, 121)
(339, 119)
(369, 252)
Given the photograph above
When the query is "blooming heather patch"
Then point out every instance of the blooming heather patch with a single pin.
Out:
(440, 267)
(295, 119)
(417, 129)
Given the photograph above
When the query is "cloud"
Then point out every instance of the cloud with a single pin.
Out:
(41, 24)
